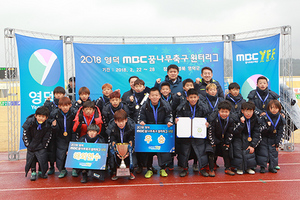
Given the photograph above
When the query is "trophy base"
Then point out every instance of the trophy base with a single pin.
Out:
(125, 172)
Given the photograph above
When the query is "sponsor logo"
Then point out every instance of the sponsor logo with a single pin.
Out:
(44, 67)
(261, 56)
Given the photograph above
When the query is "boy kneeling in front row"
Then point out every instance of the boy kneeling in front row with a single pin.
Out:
(92, 136)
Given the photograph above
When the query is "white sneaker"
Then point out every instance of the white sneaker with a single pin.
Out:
(240, 172)
(250, 171)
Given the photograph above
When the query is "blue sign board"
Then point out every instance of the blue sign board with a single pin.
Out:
(157, 138)
(83, 155)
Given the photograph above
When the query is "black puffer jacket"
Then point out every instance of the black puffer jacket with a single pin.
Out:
(259, 108)
(241, 158)
(266, 151)
(187, 144)
(36, 142)
(164, 113)
(62, 140)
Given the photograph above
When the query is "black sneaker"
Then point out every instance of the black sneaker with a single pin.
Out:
(33, 176)
(139, 170)
(44, 176)
(51, 171)
(84, 178)
(183, 173)
(273, 170)
(262, 170)
(114, 177)
(204, 173)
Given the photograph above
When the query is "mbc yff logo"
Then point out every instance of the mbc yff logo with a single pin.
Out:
(265, 56)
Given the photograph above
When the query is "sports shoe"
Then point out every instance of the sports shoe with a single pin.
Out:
(44, 176)
(277, 168)
(131, 176)
(250, 171)
(39, 174)
(33, 176)
(183, 173)
(114, 177)
(139, 170)
(229, 172)
(203, 172)
(51, 171)
(262, 170)
(163, 173)
(171, 166)
(272, 170)
(74, 173)
(195, 168)
(149, 174)
(211, 173)
(84, 178)
(240, 172)
(63, 173)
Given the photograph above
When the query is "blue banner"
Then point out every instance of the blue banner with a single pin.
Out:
(97, 64)
(83, 155)
(254, 58)
(154, 138)
(41, 70)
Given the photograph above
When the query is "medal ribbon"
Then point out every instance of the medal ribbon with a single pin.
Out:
(122, 133)
(136, 100)
(261, 98)
(227, 119)
(39, 127)
(65, 120)
(235, 102)
(193, 110)
(213, 107)
(112, 110)
(248, 127)
(165, 98)
(94, 142)
(54, 104)
(272, 120)
(155, 111)
(90, 121)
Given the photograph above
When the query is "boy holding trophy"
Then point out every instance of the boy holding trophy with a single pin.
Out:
(121, 132)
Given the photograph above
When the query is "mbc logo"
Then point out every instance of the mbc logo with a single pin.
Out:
(265, 55)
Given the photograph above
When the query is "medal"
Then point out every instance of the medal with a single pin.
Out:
(223, 129)
(234, 101)
(262, 100)
(137, 107)
(65, 134)
(274, 125)
(249, 130)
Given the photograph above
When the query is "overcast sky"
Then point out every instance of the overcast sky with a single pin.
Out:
(149, 18)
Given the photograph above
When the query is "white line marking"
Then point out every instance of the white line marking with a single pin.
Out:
(147, 185)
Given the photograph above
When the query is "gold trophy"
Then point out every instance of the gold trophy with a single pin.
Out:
(122, 153)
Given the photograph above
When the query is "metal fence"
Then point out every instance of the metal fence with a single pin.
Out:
(11, 58)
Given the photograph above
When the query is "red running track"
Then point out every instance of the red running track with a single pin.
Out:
(283, 185)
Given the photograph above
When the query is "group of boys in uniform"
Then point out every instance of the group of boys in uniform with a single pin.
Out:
(245, 134)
